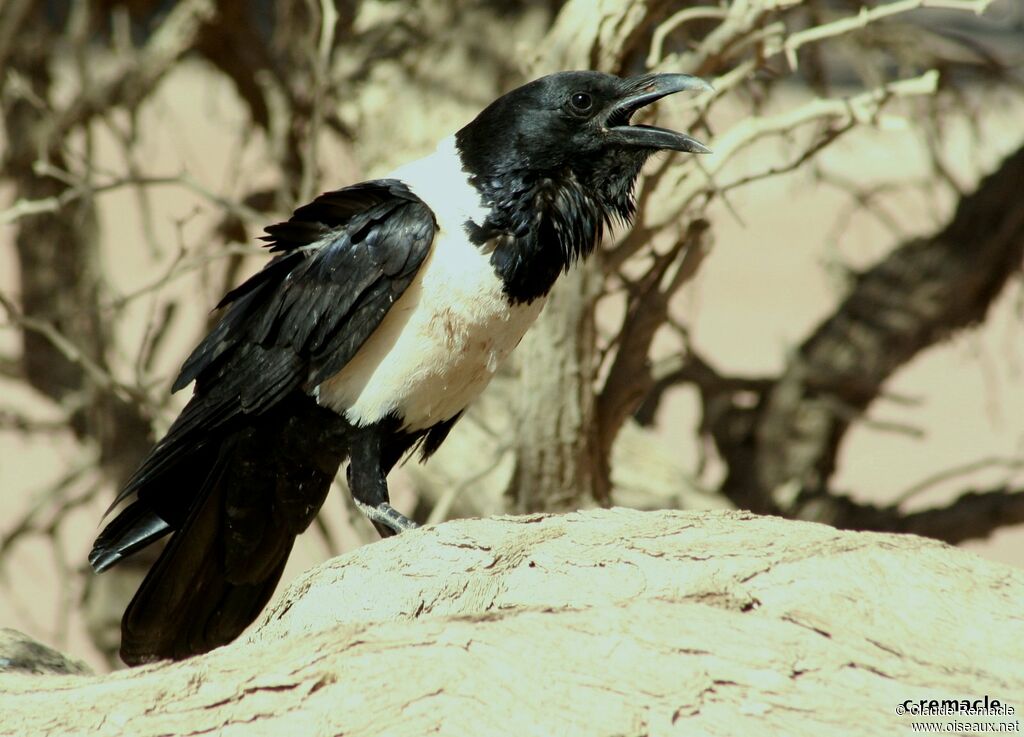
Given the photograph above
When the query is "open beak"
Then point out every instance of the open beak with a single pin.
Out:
(640, 92)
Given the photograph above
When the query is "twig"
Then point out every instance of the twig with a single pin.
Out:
(13, 420)
(443, 508)
(863, 199)
(744, 17)
(12, 15)
(52, 496)
(321, 68)
(629, 377)
(101, 377)
(964, 469)
(673, 22)
(180, 267)
(862, 108)
(866, 16)
(25, 208)
(828, 136)
(128, 143)
(174, 37)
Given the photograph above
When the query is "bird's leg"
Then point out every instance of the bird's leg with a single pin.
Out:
(388, 520)
(368, 483)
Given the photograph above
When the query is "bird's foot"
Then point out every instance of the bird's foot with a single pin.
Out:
(388, 520)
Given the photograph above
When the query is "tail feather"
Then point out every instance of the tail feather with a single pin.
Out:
(188, 604)
(235, 506)
(133, 529)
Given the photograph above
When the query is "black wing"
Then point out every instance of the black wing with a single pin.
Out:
(345, 259)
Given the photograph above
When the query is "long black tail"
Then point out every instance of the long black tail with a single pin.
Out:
(235, 501)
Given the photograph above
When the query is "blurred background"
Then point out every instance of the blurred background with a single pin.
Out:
(821, 320)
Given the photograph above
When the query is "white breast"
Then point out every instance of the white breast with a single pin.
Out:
(443, 340)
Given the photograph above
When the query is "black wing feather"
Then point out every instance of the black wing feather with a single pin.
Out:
(344, 260)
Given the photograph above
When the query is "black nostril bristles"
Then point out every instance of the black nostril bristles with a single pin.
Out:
(619, 117)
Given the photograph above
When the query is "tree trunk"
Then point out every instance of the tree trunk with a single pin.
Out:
(558, 460)
(561, 460)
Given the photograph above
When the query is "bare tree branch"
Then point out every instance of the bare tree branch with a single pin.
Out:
(782, 453)
(174, 37)
(99, 375)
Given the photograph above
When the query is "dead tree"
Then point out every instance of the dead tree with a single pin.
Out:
(701, 623)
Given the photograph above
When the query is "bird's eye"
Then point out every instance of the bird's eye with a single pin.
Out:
(581, 102)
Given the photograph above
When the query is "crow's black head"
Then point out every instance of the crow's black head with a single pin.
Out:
(555, 160)
(563, 119)
(570, 129)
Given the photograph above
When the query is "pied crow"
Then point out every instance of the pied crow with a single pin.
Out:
(386, 310)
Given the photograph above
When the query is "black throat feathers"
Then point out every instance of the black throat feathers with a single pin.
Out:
(540, 224)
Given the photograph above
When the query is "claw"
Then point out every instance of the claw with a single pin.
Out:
(388, 520)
